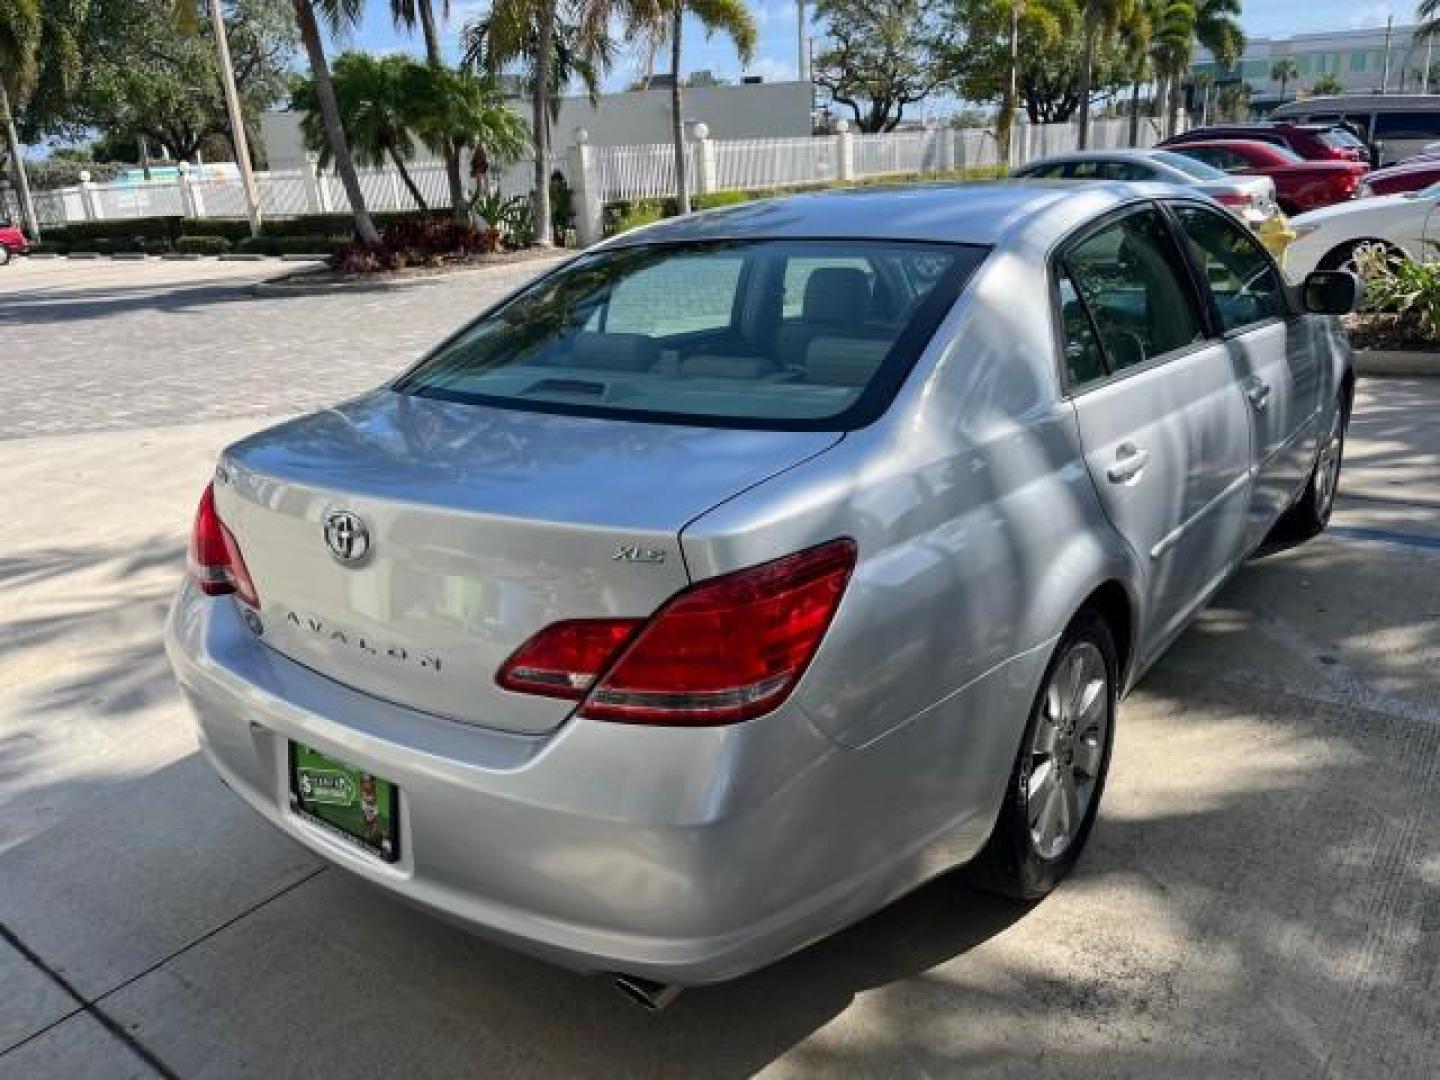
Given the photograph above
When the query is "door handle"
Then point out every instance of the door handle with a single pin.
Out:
(1259, 394)
(1130, 461)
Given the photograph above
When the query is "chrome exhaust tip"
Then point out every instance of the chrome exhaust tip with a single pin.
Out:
(649, 995)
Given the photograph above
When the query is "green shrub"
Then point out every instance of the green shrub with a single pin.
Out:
(156, 247)
(231, 230)
(257, 245)
(49, 247)
(1401, 291)
(202, 245)
(307, 245)
(645, 212)
(100, 246)
(716, 199)
(147, 228)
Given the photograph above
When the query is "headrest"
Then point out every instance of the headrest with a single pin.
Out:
(837, 296)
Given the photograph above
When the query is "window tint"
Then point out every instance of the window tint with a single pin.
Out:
(679, 296)
(1084, 359)
(1407, 125)
(1246, 285)
(799, 270)
(709, 333)
(1132, 280)
(1189, 166)
(1130, 171)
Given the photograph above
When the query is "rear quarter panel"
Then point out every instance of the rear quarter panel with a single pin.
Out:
(978, 527)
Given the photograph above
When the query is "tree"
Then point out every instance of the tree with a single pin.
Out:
(407, 13)
(1282, 71)
(149, 77)
(879, 57)
(1217, 28)
(19, 38)
(996, 50)
(338, 14)
(1171, 45)
(1234, 101)
(553, 44)
(1326, 85)
(377, 112)
(454, 111)
(1097, 17)
(661, 21)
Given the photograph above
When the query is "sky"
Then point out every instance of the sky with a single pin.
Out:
(775, 57)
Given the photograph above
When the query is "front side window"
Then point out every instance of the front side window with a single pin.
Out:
(1134, 285)
(1245, 283)
(782, 334)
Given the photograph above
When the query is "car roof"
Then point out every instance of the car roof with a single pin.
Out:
(970, 213)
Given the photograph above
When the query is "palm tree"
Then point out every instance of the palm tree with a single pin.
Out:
(1217, 28)
(1043, 21)
(1171, 43)
(407, 13)
(455, 111)
(1428, 12)
(1282, 71)
(338, 14)
(1136, 33)
(661, 21)
(19, 38)
(554, 45)
(377, 112)
(1096, 17)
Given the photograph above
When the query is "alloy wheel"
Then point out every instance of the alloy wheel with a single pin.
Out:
(1067, 749)
(1327, 469)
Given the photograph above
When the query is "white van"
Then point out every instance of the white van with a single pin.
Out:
(1394, 126)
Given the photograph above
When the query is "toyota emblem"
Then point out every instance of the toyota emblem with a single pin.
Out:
(346, 536)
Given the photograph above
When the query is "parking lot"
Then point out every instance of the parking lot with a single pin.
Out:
(1261, 896)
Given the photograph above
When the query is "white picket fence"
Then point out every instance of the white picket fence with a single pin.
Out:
(597, 174)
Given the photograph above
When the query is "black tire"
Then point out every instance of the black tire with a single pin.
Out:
(1309, 516)
(4, 254)
(1010, 863)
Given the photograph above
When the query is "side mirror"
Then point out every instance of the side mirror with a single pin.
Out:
(1331, 292)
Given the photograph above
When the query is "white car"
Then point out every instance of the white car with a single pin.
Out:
(1326, 239)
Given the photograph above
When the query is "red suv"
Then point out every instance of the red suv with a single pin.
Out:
(1300, 185)
(1313, 142)
(12, 242)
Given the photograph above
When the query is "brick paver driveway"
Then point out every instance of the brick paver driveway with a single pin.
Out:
(101, 346)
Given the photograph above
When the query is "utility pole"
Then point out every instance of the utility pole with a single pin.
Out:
(237, 120)
(1429, 51)
(1385, 73)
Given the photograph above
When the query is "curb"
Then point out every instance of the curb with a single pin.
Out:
(276, 286)
(1397, 363)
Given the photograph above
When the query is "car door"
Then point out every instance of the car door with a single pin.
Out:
(1161, 417)
(1270, 345)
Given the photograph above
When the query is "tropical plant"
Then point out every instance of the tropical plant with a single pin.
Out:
(1428, 12)
(657, 22)
(338, 14)
(1233, 102)
(408, 13)
(455, 110)
(1282, 71)
(1401, 291)
(1171, 44)
(377, 112)
(19, 38)
(1326, 85)
(554, 42)
(1098, 18)
(1217, 29)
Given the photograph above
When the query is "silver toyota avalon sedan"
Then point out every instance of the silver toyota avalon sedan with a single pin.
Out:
(750, 569)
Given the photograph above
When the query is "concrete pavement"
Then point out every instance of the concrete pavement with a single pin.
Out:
(1261, 896)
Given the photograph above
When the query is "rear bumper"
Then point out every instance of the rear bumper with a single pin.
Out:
(682, 855)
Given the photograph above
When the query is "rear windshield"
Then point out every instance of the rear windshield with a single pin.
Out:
(781, 334)
(1190, 167)
(1339, 139)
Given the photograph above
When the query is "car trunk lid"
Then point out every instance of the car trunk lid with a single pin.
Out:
(457, 531)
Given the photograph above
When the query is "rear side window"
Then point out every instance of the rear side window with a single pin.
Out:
(1245, 284)
(1135, 288)
(779, 334)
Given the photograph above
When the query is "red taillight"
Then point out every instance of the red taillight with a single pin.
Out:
(1237, 199)
(215, 560)
(727, 649)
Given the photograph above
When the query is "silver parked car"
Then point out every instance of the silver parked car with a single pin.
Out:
(1250, 198)
(751, 569)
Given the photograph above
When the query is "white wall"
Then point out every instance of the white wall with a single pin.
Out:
(754, 111)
